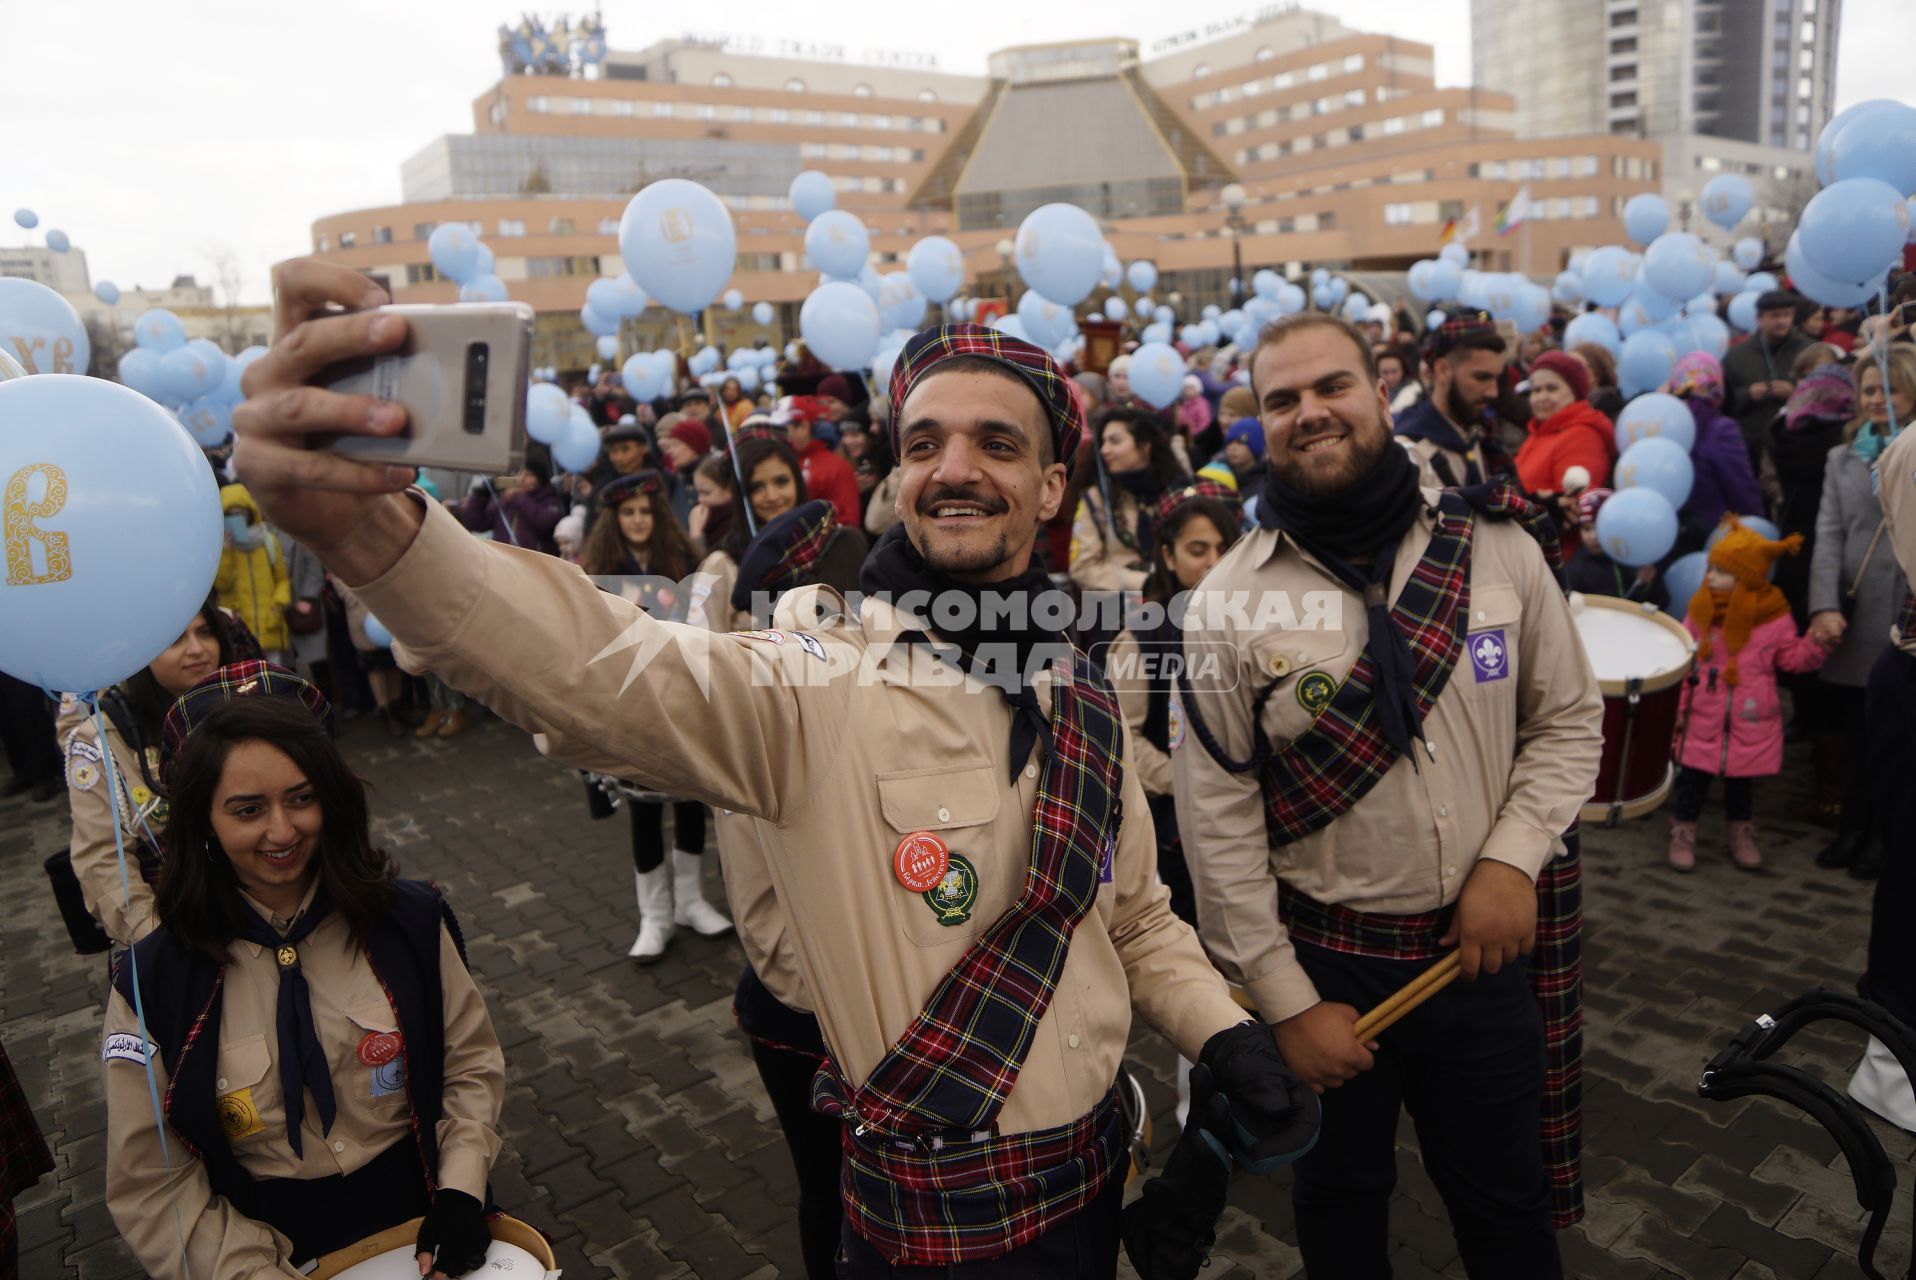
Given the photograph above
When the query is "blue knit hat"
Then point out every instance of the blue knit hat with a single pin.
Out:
(1250, 433)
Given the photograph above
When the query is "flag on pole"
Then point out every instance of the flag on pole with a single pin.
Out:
(1461, 230)
(1515, 213)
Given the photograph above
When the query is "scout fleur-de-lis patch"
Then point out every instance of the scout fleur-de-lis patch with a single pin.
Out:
(1314, 691)
(953, 897)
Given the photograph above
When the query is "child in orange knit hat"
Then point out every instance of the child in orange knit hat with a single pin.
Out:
(1731, 725)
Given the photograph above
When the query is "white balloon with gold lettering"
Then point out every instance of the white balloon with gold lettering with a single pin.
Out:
(678, 243)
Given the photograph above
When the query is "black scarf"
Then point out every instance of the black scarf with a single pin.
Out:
(302, 1060)
(1366, 520)
(894, 568)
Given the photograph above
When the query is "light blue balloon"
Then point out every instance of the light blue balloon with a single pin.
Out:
(1191, 336)
(1146, 308)
(483, 289)
(1290, 299)
(1637, 527)
(1609, 275)
(1211, 312)
(58, 242)
(1011, 324)
(1320, 276)
(26, 218)
(1656, 416)
(1645, 217)
(1742, 311)
(762, 313)
(881, 368)
(1158, 331)
(1532, 309)
(1111, 274)
(1142, 276)
(1417, 279)
(1060, 252)
(838, 244)
(1567, 287)
(1436, 318)
(1656, 303)
(1658, 464)
(1323, 297)
(1456, 254)
(1684, 578)
(1712, 334)
(1266, 283)
(578, 447)
(1728, 279)
(1444, 280)
(1880, 144)
(704, 360)
(107, 292)
(454, 251)
(1747, 253)
(840, 323)
(812, 193)
(1760, 282)
(747, 379)
(599, 326)
(903, 306)
(1678, 265)
(1164, 315)
(483, 262)
(140, 370)
(376, 632)
(733, 300)
(1157, 374)
(1835, 126)
(605, 297)
(209, 421)
(1644, 362)
(937, 268)
(607, 347)
(1727, 198)
(1045, 321)
(1818, 287)
(1231, 320)
(41, 329)
(1114, 308)
(137, 529)
(1854, 228)
(186, 374)
(678, 243)
(548, 410)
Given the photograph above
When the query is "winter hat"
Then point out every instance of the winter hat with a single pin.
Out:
(1698, 374)
(693, 435)
(1567, 367)
(1238, 402)
(1034, 365)
(1591, 501)
(835, 386)
(1191, 386)
(1248, 432)
(237, 680)
(1218, 472)
(1202, 487)
(1825, 395)
(1747, 556)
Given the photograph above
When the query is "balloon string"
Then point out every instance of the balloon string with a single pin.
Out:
(744, 497)
(504, 517)
(147, 1045)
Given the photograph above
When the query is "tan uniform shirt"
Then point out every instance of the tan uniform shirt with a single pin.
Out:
(1099, 562)
(371, 1113)
(745, 849)
(1425, 452)
(1133, 688)
(1515, 754)
(124, 910)
(845, 740)
(710, 603)
(1896, 491)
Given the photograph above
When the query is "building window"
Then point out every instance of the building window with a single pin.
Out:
(1560, 167)
(720, 80)
(1623, 99)
(582, 106)
(1624, 18)
(1283, 80)
(560, 227)
(1432, 118)
(347, 239)
(608, 226)
(661, 108)
(1354, 64)
(421, 273)
(512, 226)
(541, 268)
(1583, 167)
(540, 104)
(926, 95)
(324, 245)
(1266, 53)
(861, 91)
(794, 85)
(423, 230)
(704, 111)
(1321, 71)
(498, 113)
(1583, 207)
(382, 235)
(1353, 97)
(1203, 70)
(1397, 215)
(624, 107)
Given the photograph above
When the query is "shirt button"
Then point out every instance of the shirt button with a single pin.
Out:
(1480, 615)
(1450, 871)
(944, 815)
(1443, 811)
(221, 1084)
(1072, 1040)
(1031, 771)
(339, 1146)
(1280, 665)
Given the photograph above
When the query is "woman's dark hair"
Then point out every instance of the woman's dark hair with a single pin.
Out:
(1603, 366)
(148, 700)
(668, 552)
(1163, 582)
(1405, 357)
(199, 896)
(750, 455)
(1148, 430)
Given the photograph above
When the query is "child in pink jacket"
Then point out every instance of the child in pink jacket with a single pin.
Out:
(1731, 724)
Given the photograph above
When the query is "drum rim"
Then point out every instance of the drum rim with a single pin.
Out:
(505, 1228)
(1597, 814)
(1651, 684)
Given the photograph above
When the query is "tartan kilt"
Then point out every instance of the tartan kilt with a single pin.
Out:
(926, 1202)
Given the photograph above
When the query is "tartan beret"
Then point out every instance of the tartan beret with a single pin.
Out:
(253, 679)
(932, 347)
(1447, 335)
(1192, 492)
(619, 488)
(783, 550)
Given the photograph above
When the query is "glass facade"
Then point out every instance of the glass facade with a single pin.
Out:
(459, 166)
(1141, 198)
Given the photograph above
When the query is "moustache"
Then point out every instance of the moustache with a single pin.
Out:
(992, 506)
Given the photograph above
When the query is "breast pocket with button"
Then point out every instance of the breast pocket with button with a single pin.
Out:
(1303, 670)
(959, 805)
(247, 1095)
(1487, 667)
(378, 1067)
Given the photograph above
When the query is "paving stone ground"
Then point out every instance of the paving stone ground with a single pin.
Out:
(637, 1135)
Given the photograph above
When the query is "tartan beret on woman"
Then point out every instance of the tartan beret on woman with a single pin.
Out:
(1033, 365)
(238, 680)
(1192, 492)
(623, 487)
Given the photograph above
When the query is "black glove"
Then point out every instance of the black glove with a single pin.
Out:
(455, 1230)
(1169, 1229)
(1274, 1116)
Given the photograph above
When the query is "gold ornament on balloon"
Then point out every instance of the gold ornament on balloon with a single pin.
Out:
(22, 533)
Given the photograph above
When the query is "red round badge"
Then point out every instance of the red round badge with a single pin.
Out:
(378, 1048)
(921, 861)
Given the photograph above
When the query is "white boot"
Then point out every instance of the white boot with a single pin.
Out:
(655, 915)
(689, 906)
(1184, 1091)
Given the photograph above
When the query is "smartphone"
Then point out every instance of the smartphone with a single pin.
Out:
(461, 375)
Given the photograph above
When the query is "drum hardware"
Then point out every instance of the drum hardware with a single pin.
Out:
(517, 1248)
(1641, 659)
(1632, 701)
(1137, 1122)
(618, 789)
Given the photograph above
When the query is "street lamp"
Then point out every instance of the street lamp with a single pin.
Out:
(1233, 197)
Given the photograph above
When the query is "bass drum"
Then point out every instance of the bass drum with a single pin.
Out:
(517, 1250)
(1641, 658)
(1137, 1122)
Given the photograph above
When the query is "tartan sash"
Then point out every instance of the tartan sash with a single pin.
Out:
(1906, 618)
(966, 1193)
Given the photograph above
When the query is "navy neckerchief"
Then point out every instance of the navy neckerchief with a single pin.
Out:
(1425, 421)
(302, 1061)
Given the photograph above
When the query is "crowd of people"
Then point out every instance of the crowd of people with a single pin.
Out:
(1331, 809)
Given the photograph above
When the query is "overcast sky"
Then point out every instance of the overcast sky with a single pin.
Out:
(168, 135)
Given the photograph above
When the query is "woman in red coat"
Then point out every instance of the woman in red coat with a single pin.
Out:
(1564, 430)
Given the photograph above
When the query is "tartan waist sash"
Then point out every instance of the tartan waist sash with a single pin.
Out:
(942, 1200)
(1556, 979)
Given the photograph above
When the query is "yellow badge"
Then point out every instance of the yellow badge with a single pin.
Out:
(142, 797)
(287, 957)
(239, 1118)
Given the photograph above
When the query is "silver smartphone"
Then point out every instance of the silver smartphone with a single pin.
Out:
(461, 376)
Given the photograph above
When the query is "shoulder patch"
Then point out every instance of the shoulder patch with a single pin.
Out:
(1174, 716)
(125, 1046)
(83, 764)
(810, 644)
(769, 637)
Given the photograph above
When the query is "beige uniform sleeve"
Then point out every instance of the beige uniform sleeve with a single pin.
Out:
(763, 932)
(1896, 491)
(1172, 982)
(475, 1079)
(725, 719)
(1221, 820)
(124, 910)
(1559, 715)
(1152, 766)
(155, 1208)
(1098, 561)
(881, 513)
(711, 601)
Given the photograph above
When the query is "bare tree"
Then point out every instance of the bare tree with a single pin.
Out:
(227, 279)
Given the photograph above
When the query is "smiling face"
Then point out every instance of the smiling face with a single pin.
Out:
(974, 476)
(635, 521)
(1874, 404)
(266, 817)
(1120, 449)
(188, 660)
(1549, 393)
(1325, 423)
(774, 489)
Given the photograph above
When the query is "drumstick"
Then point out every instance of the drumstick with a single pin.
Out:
(1413, 993)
